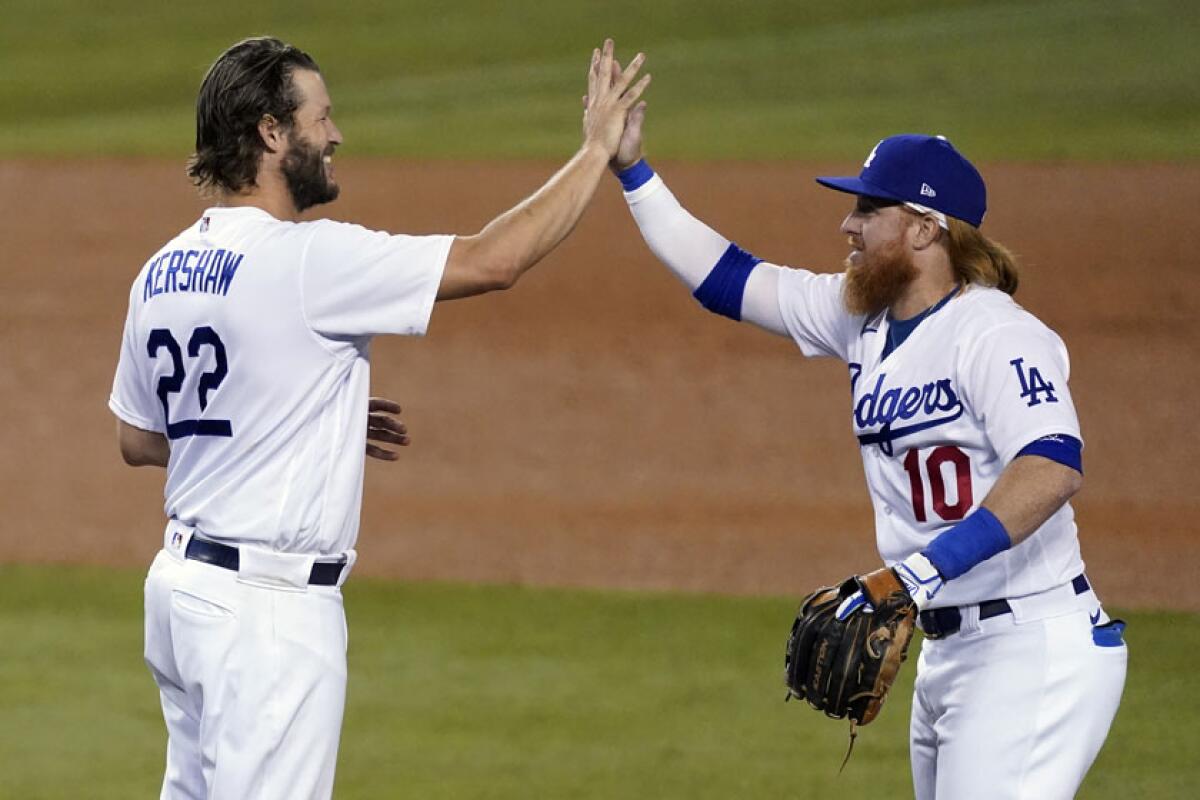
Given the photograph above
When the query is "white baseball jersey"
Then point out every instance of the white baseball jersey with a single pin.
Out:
(246, 345)
(940, 418)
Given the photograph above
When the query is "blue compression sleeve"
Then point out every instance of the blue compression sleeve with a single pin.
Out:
(972, 541)
(722, 291)
(633, 177)
(1066, 450)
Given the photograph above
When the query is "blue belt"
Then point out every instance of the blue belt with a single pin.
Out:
(324, 573)
(938, 623)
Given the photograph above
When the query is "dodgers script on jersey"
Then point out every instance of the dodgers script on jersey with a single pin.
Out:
(218, 318)
(940, 418)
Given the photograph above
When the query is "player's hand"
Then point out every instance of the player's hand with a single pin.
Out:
(610, 98)
(629, 150)
(384, 426)
(916, 575)
(920, 578)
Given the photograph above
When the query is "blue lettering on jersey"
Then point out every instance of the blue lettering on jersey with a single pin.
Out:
(209, 271)
(855, 371)
(213, 275)
(1033, 384)
(227, 270)
(153, 275)
(936, 401)
(185, 270)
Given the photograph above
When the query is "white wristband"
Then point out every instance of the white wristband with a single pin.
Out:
(920, 578)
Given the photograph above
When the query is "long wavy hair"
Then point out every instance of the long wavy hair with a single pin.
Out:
(250, 80)
(977, 259)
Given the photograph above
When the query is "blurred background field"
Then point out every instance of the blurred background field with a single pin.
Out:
(464, 690)
(1073, 79)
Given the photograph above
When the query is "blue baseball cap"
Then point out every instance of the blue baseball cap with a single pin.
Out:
(919, 169)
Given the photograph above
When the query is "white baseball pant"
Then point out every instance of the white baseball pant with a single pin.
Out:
(252, 679)
(1017, 706)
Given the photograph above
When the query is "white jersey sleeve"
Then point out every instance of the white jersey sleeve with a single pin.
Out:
(814, 314)
(132, 398)
(359, 282)
(1016, 385)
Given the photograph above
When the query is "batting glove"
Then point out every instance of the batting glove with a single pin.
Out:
(918, 576)
(921, 579)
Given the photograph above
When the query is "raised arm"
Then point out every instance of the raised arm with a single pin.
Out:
(509, 245)
(723, 278)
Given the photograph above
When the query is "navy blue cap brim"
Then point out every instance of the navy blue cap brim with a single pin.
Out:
(859, 186)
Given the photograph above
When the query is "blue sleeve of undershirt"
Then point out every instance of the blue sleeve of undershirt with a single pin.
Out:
(1066, 450)
(722, 291)
(633, 177)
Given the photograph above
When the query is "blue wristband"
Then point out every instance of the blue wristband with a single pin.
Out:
(972, 541)
(633, 177)
(723, 289)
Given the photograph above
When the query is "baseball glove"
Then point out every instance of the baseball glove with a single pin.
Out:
(845, 666)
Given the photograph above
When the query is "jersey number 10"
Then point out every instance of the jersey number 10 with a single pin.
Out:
(937, 486)
(203, 336)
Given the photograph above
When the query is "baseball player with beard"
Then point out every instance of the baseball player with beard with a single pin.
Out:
(971, 449)
(244, 371)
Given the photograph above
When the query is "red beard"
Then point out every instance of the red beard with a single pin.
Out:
(879, 281)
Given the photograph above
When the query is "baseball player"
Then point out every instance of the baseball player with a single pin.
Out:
(244, 371)
(971, 449)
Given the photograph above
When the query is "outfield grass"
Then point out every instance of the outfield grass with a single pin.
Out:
(1074, 79)
(502, 692)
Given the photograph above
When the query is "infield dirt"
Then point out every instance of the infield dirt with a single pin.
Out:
(594, 426)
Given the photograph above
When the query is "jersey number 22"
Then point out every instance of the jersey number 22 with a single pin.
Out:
(202, 336)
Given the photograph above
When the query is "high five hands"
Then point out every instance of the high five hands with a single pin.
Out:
(611, 108)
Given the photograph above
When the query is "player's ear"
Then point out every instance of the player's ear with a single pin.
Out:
(272, 133)
(926, 232)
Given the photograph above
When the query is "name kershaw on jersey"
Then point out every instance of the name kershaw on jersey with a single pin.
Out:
(209, 271)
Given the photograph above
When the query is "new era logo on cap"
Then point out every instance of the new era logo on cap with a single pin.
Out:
(907, 167)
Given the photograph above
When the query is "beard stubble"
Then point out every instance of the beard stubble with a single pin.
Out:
(304, 170)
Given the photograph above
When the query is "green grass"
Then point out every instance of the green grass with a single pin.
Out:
(504, 692)
(1006, 79)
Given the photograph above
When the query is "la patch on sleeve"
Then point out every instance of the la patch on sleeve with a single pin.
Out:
(1034, 388)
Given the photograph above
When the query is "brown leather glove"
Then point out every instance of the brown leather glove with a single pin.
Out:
(845, 667)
